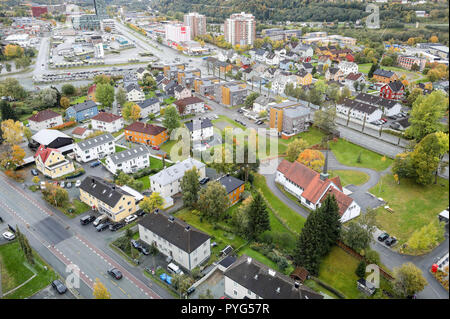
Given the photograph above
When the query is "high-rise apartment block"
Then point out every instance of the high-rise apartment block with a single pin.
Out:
(240, 28)
(196, 22)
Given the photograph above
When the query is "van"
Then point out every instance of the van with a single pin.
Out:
(174, 269)
(86, 219)
(100, 219)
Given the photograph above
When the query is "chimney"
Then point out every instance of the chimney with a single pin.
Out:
(249, 260)
(187, 228)
(171, 219)
(256, 277)
(296, 284)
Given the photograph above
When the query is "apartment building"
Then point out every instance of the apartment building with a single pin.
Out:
(230, 93)
(45, 119)
(200, 130)
(147, 134)
(407, 62)
(107, 122)
(240, 28)
(233, 186)
(359, 110)
(196, 23)
(190, 105)
(128, 161)
(289, 118)
(149, 106)
(95, 148)
(205, 86)
(177, 33)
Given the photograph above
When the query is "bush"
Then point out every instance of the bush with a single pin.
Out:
(372, 257)
(64, 125)
(282, 263)
(361, 269)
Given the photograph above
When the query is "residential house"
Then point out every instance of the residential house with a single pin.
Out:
(147, 134)
(227, 56)
(291, 56)
(258, 55)
(200, 130)
(289, 118)
(167, 181)
(403, 123)
(190, 105)
(45, 119)
(52, 163)
(107, 198)
(286, 65)
(91, 93)
(308, 67)
(230, 93)
(181, 92)
(281, 80)
(81, 132)
(188, 246)
(311, 188)
(272, 59)
(261, 102)
(82, 111)
(94, 148)
(304, 78)
(384, 76)
(128, 161)
(393, 90)
(149, 106)
(129, 78)
(141, 73)
(134, 93)
(388, 107)
(348, 67)
(169, 88)
(304, 52)
(233, 186)
(107, 122)
(334, 74)
(248, 278)
(324, 59)
(270, 73)
(353, 78)
(359, 110)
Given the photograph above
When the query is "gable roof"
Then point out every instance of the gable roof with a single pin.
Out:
(44, 152)
(89, 104)
(376, 100)
(362, 107)
(383, 73)
(44, 116)
(92, 88)
(342, 200)
(132, 86)
(230, 183)
(79, 130)
(104, 191)
(353, 76)
(95, 141)
(130, 154)
(198, 124)
(46, 136)
(148, 102)
(188, 101)
(145, 128)
(396, 86)
(176, 171)
(106, 117)
(265, 282)
(175, 231)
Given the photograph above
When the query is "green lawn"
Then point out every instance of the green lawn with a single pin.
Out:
(146, 181)
(414, 205)
(115, 134)
(350, 177)
(291, 218)
(150, 95)
(120, 148)
(313, 136)
(227, 119)
(79, 207)
(347, 154)
(156, 163)
(80, 99)
(338, 270)
(15, 270)
(167, 146)
(263, 259)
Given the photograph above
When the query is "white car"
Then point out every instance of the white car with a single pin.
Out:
(78, 183)
(130, 218)
(8, 235)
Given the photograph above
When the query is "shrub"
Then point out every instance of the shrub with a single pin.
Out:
(65, 125)
(361, 269)
(372, 257)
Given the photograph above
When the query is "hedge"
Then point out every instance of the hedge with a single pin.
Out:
(64, 125)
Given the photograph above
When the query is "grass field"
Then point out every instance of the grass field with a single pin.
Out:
(145, 181)
(347, 154)
(15, 270)
(227, 119)
(167, 146)
(414, 205)
(79, 206)
(80, 99)
(120, 148)
(350, 177)
(411, 75)
(313, 136)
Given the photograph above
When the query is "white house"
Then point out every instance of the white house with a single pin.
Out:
(347, 67)
(272, 59)
(280, 82)
(128, 161)
(149, 106)
(353, 78)
(142, 72)
(45, 119)
(81, 132)
(188, 246)
(181, 92)
(190, 105)
(95, 148)
(167, 181)
(134, 93)
(200, 130)
(107, 122)
(387, 106)
(311, 188)
(359, 110)
(261, 102)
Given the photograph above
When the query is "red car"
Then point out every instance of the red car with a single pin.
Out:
(224, 297)
(156, 148)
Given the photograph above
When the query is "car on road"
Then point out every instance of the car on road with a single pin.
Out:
(34, 172)
(259, 122)
(204, 180)
(115, 273)
(59, 286)
(116, 226)
(95, 164)
(140, 213)
(135, 244)
(390, 241)
(130, 218)
(102, 226)
(8, 235)
(78, 183)
(383, 237)
(156, 148)
(240, 111)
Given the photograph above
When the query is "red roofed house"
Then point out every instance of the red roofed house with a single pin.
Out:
(190, 105)
(91, 93)
(81, 132)
(311, 188)
(107, 122)
(52, 163)
(393, 90)
(45, 119)
(144, 133)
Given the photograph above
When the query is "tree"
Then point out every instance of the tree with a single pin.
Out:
(36, 180)
(250, 99)
(12, 131)
(426, 237)
(171, 118)
(329, 223)
(121, 96)
(408, 280)
(152, 202)
(68, 89)
(13, 51)
(11, 87)
(295, 148)
(413, 95)
(8, 67)
(181, 283)
(65, 102)
(361, 269)
(373, 68)
(190, 187)
(213, 201)
(7, 111)
(100, 291)
(258, 217)
(434, 39)
(356, 237)
(325, 118)
(427, 111)
(131, 112)
(312, 158)
(425, 158)
(150, 82)
(102, 79)
(104, 93)
(306, 253)
(47, 98)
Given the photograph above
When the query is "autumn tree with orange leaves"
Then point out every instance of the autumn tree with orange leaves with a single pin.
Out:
(312, 158)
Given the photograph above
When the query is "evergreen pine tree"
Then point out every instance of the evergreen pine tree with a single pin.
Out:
(20, 239)
(7, 112)
(306, 253)
(329, 224)
(372, 69)
(259, 220)
(361, 269)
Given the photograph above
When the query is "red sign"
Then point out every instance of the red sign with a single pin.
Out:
(434, 268)
(183, 30)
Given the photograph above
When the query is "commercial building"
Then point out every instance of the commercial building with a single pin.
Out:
(240, 28)
(128, 161)
(177, 33)
(407, 62)
(196, 23)
(100, 9)
(147, 134)
(95, 148)
(85, 22)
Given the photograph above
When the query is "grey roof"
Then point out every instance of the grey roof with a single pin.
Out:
(140, 70)
(265, 282)
(174, 231)
(376, 100)
(227, 261)
(362, 107)
(297, 111)
(104, 191)
(95, 141)
(148, 102)
(230, 183)
(262, 99)
(132, 86)
(175, 172)
(384, 73)
(202, 124)
(84, 106)
(130, 154)
(396, 86)
(179, 88)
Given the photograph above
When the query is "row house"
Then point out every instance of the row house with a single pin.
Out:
(388, 107)
(359, 110)
(190, 105)
(107, 122)
(145, 133)
(94, 148)
(128, 161)
(45, 119)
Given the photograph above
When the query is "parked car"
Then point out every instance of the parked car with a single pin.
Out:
(95, 164)
(8, 235)
(259, 122)
(130, 218)
(390, 241)
(204, 180)
(99, 220)
(116, 226)
(78, 183)
(34, 172)
(144, 250)
(135, 244)
(156, 147)
(140, 213)
(59, 286)
(62, 184)
(190, 291)
(87, 219)
(115, 273)
(69, 185)
(383, 237)
(102, 227)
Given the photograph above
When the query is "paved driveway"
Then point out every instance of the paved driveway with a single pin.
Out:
(50, 293)
(215, 283)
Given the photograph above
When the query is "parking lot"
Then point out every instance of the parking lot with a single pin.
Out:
(50, 293)
(379, 232)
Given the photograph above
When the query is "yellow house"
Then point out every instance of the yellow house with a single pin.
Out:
(107, 198)
(304, 78)
(50, 162)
